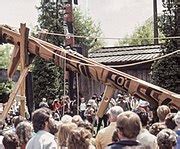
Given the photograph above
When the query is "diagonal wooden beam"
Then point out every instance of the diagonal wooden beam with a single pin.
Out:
(13, 94)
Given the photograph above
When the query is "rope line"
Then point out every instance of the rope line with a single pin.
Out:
(96, 37)
(114, 66)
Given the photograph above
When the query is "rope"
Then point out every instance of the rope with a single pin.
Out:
(111, 38)
(114, 66)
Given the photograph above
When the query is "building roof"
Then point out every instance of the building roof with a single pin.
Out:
(125, 54)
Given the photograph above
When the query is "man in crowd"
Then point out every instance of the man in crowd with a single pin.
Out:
(128, 127)
(104, 136)
(44, 127)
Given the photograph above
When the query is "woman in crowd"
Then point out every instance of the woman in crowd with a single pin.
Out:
(24, 131)
(166, 139)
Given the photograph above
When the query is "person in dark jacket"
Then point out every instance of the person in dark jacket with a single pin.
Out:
(128, 127)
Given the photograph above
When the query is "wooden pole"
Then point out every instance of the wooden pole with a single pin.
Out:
(24, 62)
(155, 22)
(77, 83)
(109, 91)
(13, 94)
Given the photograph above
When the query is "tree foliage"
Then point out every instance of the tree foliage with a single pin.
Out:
(166, 72)
(5, 85)
(47, 78)
(142, 35)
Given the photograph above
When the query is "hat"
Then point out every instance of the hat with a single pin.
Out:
(143, 103)
(177, 119)
(119, 95)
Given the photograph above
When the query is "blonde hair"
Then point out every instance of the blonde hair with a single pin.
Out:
(162, 111)
(129, 124)
(64, 131)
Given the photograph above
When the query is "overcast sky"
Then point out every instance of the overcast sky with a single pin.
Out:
(116, 17)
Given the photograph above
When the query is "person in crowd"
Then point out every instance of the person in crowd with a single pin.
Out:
(144, 136)
(10, 140)
(82, 108)
(105, 117)
(2, 126)
(156, 128)
(80, 139)
(43, 103)
(63, 134)
(77, 119)
(66, 118)
(88, 126)
(44, 127)
(166, 139)
(24, 131)
(89, 113)
(121, 101)
(162, 112)
(170, 121)
(104, 136)
(18, 119)
(177, 129)
(128, 127)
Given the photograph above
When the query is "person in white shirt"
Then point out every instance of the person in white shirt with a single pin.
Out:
(44, 127)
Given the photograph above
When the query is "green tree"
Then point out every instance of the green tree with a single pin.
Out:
(5, 85)
(166, 72)
(47, 78)
(142, 35)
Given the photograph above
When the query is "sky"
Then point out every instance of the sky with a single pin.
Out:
(117, 18)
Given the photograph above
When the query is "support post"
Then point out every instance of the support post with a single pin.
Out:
(24, 62)
(13, 94)
(109, 91)
(155, 22)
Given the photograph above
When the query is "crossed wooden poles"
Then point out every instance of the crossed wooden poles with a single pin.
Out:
(25, 48)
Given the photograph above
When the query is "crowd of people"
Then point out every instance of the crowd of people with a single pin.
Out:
(127, 123)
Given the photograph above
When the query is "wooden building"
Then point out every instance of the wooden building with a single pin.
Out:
(123, 55)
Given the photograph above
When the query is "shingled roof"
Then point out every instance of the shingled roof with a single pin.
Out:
(125, 54)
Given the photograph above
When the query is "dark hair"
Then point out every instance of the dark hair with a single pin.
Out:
(156, 128)
(166, 139)
(24, 132)
(10, 140)
(18, 119)
(143, 115)
(169, 121)
(39, 117)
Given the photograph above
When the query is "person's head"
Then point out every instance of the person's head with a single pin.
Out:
(162, 111)
(24, 131)
(143, 115)
(77, 119)
(177, 119)
(128, 125)
(79, 139)
(10, 140)
(64, 131)
(42, 120)
(166, 139)
(66, 118)
(156, 128)
(170, 121)
(114, 112)
(87, 125)
(18, 119)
